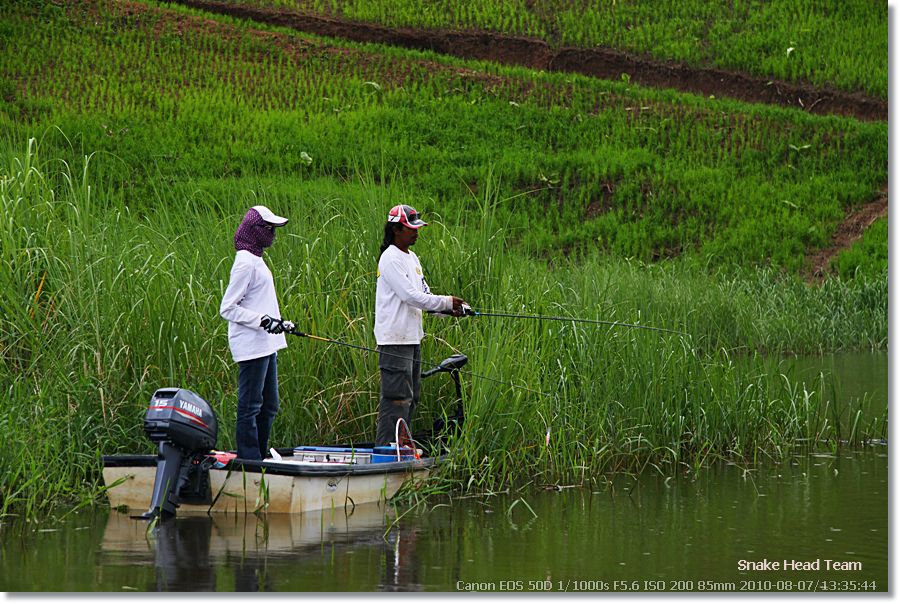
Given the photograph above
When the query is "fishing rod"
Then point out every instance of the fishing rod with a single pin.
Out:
(468, 311)
(296, 332)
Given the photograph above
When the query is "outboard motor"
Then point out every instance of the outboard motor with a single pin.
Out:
(186, 428)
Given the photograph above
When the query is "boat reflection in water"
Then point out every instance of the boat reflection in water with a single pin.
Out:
(317, 551)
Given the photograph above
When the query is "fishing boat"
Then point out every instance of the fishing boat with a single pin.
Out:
(294, 484)
(189, 476)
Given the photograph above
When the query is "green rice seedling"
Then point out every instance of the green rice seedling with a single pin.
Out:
(841, 45)
(637, 173)
(868, 256)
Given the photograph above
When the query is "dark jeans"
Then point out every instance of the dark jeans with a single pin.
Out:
(257, 405)
(401, 371)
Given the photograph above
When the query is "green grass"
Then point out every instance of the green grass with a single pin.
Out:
(582, 164)
(150, 133)
(833, 44)
(867, 256)
(101, 305)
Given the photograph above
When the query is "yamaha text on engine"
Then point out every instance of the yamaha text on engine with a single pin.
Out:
(185, 427)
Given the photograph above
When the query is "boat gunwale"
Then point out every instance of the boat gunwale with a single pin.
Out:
(272, 467)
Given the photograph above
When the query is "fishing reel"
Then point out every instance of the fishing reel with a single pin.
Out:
(465, 311)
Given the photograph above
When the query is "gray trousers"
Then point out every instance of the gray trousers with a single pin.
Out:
(401, 381)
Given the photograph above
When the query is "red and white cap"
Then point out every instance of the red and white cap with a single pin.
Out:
(407, 216)
(270, 217)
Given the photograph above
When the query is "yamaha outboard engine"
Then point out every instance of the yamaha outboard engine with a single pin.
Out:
(185, 427)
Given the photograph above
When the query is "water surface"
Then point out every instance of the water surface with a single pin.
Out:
(723, 529)
(650, 533)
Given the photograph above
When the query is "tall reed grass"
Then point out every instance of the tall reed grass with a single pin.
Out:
(102, 304)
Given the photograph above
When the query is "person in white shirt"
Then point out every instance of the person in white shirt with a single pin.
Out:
(255, 331)
(401, 295)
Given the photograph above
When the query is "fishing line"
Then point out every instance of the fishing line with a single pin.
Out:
(405, 358)
(468, 311)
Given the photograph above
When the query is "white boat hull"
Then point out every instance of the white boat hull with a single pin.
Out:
(274, 488)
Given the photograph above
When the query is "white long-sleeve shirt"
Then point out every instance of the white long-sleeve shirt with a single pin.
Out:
(401, 294)
(250, 295)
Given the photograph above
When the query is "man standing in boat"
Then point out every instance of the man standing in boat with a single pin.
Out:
(255, 331)
(401, 295)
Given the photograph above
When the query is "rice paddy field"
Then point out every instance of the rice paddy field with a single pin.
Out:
(136, 134)
(842, 45)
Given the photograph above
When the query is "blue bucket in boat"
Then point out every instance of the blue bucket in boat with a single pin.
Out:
(388, 453)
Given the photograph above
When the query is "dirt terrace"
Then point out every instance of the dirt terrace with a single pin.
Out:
(599, 62)
(848, 232)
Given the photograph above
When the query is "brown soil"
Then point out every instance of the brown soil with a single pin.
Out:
(849, 231)
(599, 62)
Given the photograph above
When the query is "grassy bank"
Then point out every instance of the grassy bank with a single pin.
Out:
(161, 95)
(102, 304)
(136, 136)
(835, 44)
